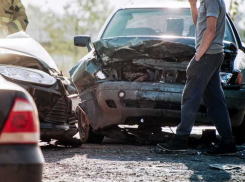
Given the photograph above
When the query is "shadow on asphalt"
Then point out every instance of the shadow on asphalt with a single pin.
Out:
(117, 150)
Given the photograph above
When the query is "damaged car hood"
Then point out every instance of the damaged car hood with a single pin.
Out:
(129, 48)
(20, 42)
(152, 52)
(137, 59)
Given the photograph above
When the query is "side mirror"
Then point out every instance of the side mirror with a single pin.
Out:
(233, 47)
(83, 41)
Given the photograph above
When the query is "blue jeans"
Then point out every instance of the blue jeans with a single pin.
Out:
(203, 82)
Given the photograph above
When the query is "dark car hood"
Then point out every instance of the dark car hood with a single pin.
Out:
(129, 48)
(152, 52)
(22, 43)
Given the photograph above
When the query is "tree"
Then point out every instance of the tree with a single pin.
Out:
(85, 17)
(80, 17)
(237, 15)
(56, 31)
(233, 9)
(36, 23)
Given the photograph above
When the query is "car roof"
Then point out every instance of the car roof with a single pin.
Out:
(165, 4)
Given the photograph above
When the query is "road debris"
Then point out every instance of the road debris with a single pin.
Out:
(224, 167)
(119, 161)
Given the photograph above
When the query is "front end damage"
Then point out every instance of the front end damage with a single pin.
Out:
(57, 108)
(56, 96)
(139, 81)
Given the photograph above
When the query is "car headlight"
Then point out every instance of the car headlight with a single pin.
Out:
(225, 78)
(27, 75)
(100, 75)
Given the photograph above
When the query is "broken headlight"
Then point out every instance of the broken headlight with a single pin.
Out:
(100, 75)
(225, 78)
(27, 75)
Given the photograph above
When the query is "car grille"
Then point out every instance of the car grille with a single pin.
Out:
(58, 114)
(156, 105)
(72, 120)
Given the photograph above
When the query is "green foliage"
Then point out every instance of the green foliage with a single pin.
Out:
(233, 10)
(56, 31)
(236, 15)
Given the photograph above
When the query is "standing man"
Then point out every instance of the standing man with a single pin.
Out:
(13, 17)
(203, 80)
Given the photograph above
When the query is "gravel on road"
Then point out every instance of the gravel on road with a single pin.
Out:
(118, 161)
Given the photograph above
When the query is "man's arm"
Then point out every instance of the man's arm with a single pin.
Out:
(20, 19)
(194, 11)
(208, 37)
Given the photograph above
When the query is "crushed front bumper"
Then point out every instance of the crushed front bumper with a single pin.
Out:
(152, 102)
(56, 109)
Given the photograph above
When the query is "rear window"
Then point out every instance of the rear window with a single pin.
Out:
(154, 22)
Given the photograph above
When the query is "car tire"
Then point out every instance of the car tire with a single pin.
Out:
(239, 133)
(85, 131)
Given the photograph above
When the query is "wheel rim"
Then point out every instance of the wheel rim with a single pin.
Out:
(83, 127)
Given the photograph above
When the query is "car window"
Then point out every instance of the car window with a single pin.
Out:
(155, 22)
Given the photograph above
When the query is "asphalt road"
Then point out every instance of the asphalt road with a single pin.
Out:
(119, 161)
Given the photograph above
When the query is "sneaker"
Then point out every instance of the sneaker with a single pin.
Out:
(223, 149)
(176, 144)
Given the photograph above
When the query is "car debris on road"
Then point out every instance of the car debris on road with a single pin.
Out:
(224, 167)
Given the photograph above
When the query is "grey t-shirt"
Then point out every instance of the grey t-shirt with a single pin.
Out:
(215, 8)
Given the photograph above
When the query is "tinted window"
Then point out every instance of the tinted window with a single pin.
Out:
(154, 22)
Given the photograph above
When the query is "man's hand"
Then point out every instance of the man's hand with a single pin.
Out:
(4, 30)
(197, 57)
(3, 26)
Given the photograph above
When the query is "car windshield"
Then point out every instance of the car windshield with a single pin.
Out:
(155, 22)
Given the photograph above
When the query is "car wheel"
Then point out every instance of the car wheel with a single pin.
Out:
(239, 133)
(85, 131)
(83, 127)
